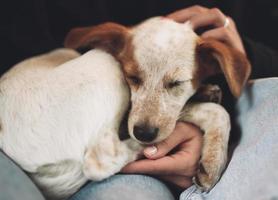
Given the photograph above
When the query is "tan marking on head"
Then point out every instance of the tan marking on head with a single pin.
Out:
(129, 65)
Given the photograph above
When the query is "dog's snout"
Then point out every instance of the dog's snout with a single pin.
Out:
(145, 133)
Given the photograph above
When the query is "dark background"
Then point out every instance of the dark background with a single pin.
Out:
(30, 27)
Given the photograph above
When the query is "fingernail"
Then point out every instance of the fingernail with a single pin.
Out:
(150, 150)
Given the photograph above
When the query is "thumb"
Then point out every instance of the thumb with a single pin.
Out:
(161, 149)
(158, 150)
(181, 133)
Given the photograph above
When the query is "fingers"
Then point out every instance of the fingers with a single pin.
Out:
(227, 36)
(181, 163)
(201, 17)
(221, 34)
(187, 13)
(183, 132)
(213, 17)
(181, 181)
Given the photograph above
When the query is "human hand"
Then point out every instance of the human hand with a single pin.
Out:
(178, 167)
(200, 17)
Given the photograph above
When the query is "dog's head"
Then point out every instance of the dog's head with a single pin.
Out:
(164, 63)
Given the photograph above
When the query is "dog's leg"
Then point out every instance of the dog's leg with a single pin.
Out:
(215, 122)
(108, 156)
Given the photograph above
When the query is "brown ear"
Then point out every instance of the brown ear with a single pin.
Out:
(215, 57)
(110, 37)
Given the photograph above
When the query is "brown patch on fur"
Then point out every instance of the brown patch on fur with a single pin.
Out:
(113, 38)
(197, 76)
(211, 152)
(214, 57)
(129, 65)
(196, 82)
(109, 36)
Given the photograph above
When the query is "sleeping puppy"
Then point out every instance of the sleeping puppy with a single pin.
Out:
(60, 112)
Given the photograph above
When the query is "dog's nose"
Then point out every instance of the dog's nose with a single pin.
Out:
(145, 133)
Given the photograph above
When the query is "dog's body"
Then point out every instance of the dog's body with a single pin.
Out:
(53, 112)
(60, 112)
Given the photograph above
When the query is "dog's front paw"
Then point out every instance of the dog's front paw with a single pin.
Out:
(106, 158)
(214, 120)
(210, 170)
(97, 166)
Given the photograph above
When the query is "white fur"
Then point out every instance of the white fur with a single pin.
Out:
(52, 114)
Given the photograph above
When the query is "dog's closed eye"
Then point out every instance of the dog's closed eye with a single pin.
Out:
(135, 80)
(174, 84)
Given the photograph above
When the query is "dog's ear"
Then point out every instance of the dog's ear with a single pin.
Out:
(110, 37)
(215, 57)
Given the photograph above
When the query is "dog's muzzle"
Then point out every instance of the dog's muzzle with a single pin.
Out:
(145, 133)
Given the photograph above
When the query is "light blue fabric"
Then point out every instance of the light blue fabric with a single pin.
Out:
(252, 173)
(125, 187)
(14, 183)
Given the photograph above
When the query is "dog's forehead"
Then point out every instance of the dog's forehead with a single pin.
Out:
(162, 43)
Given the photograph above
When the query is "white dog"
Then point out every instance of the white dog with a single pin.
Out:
(60, 112)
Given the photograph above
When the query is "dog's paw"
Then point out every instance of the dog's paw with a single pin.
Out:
(95, 168)
(205, 180)
(106, 158)
(209, 172)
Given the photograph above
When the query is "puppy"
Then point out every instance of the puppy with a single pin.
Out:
(60, 112)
